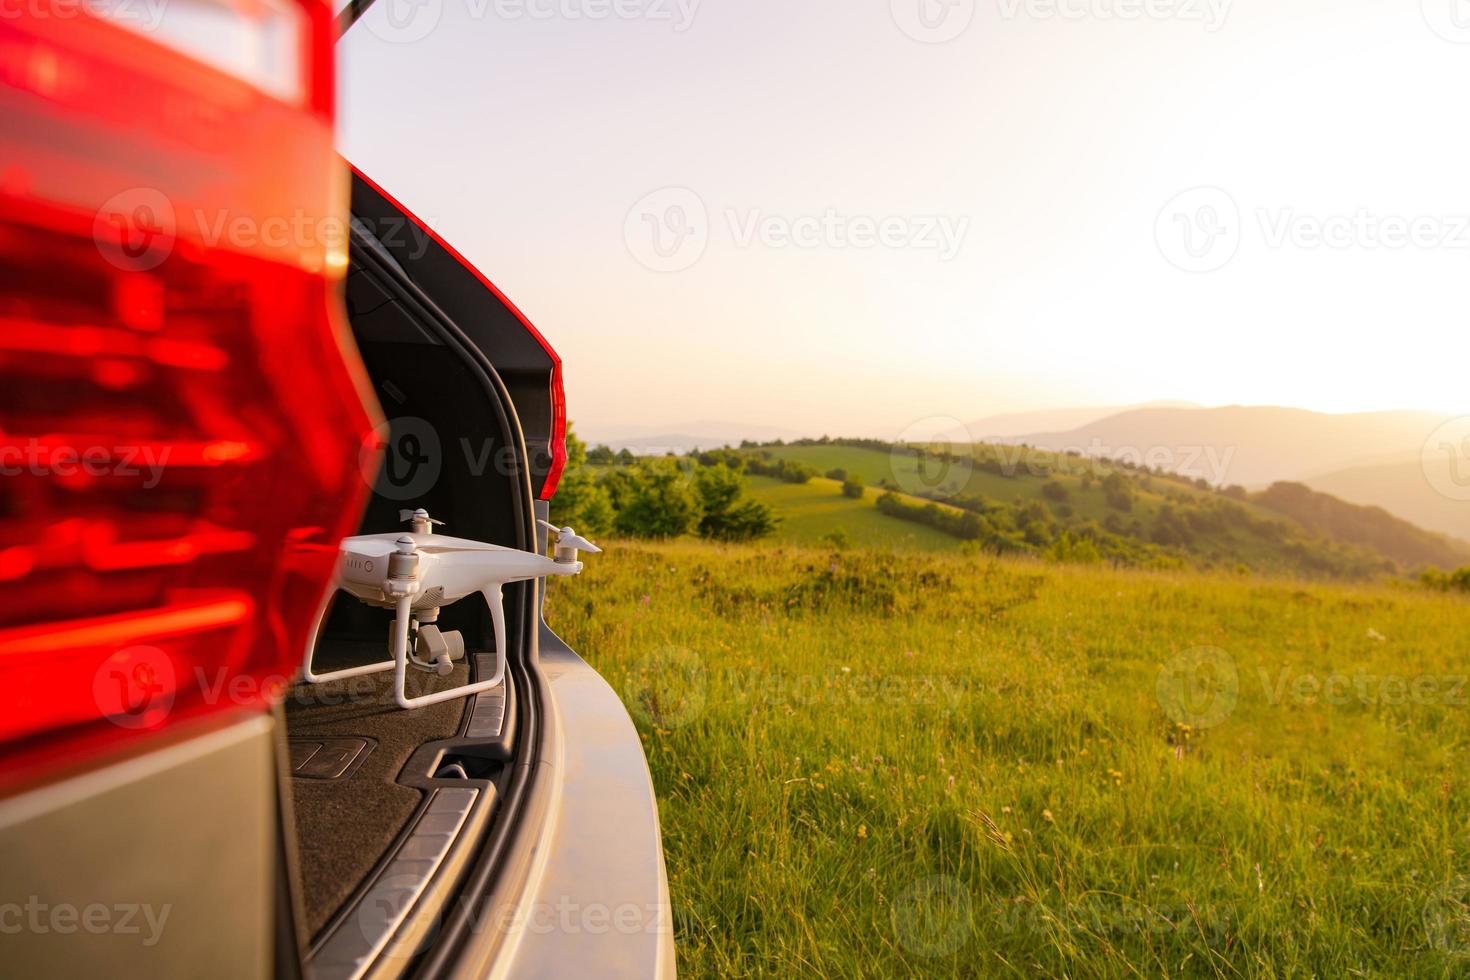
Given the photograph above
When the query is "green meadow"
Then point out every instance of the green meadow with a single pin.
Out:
(925, 761)
(814, 511)
(1040, 502)
(1025, 472)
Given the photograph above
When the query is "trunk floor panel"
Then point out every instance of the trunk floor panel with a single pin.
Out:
(344, 826)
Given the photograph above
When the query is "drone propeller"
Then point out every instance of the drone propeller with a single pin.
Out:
(379, 545)
(566, 537)
(420, 518)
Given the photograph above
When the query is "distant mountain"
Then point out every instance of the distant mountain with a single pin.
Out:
(689, 437)
(1001, 428)
(1367, 527)
(1401, 485)
(1251, 446)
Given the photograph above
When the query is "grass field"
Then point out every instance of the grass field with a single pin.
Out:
(811, 511)
(900, 764)
(875, 466)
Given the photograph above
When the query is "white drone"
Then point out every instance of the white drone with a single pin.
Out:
(415, 574)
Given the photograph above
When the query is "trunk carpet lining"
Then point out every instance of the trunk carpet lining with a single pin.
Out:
(344, 826)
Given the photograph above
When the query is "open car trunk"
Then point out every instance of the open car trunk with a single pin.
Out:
(389, 807)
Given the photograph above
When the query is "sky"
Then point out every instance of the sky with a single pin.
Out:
(848, 216)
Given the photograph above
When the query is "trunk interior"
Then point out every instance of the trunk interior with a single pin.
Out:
(344, 825)
(355, 755)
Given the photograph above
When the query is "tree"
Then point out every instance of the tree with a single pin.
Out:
(725, 516)
(625, 457)
(788, 470)
(839, 474)
(580, 500)
(1078, 548)
(723, 456)
(601, 455)
(718, 488)
(659, 503)
(1118, 491)
(748, 520)
(852, 487)
(1447, 581)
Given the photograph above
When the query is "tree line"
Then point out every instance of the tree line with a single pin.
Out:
(665, 497)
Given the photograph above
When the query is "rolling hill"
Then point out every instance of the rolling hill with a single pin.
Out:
(812, 512)
(1050, 504)
(1401, 486)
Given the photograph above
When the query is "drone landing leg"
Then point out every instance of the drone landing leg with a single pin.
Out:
(493, 599)
(334, 675)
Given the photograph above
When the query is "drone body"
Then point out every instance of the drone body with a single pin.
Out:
(416, 573)
(380, 568)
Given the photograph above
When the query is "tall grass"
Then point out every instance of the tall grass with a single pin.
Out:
(881, 764)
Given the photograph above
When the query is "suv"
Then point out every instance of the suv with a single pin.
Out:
(212, 374)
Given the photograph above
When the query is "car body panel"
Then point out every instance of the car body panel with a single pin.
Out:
(601, 902)
(177, 845)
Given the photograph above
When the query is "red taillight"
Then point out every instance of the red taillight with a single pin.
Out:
(180, 420)
(558, 429)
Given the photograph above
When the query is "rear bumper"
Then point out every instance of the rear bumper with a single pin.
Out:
(597, 900)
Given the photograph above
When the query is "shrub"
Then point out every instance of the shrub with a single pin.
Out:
(837, 538)
(852, 487)
(1457, 581)
(721, 457)
(966, 525)
(1075, 548)
(725, 516)
(787, 470)
(748, 520)
(1119, 500)
(659, 503)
